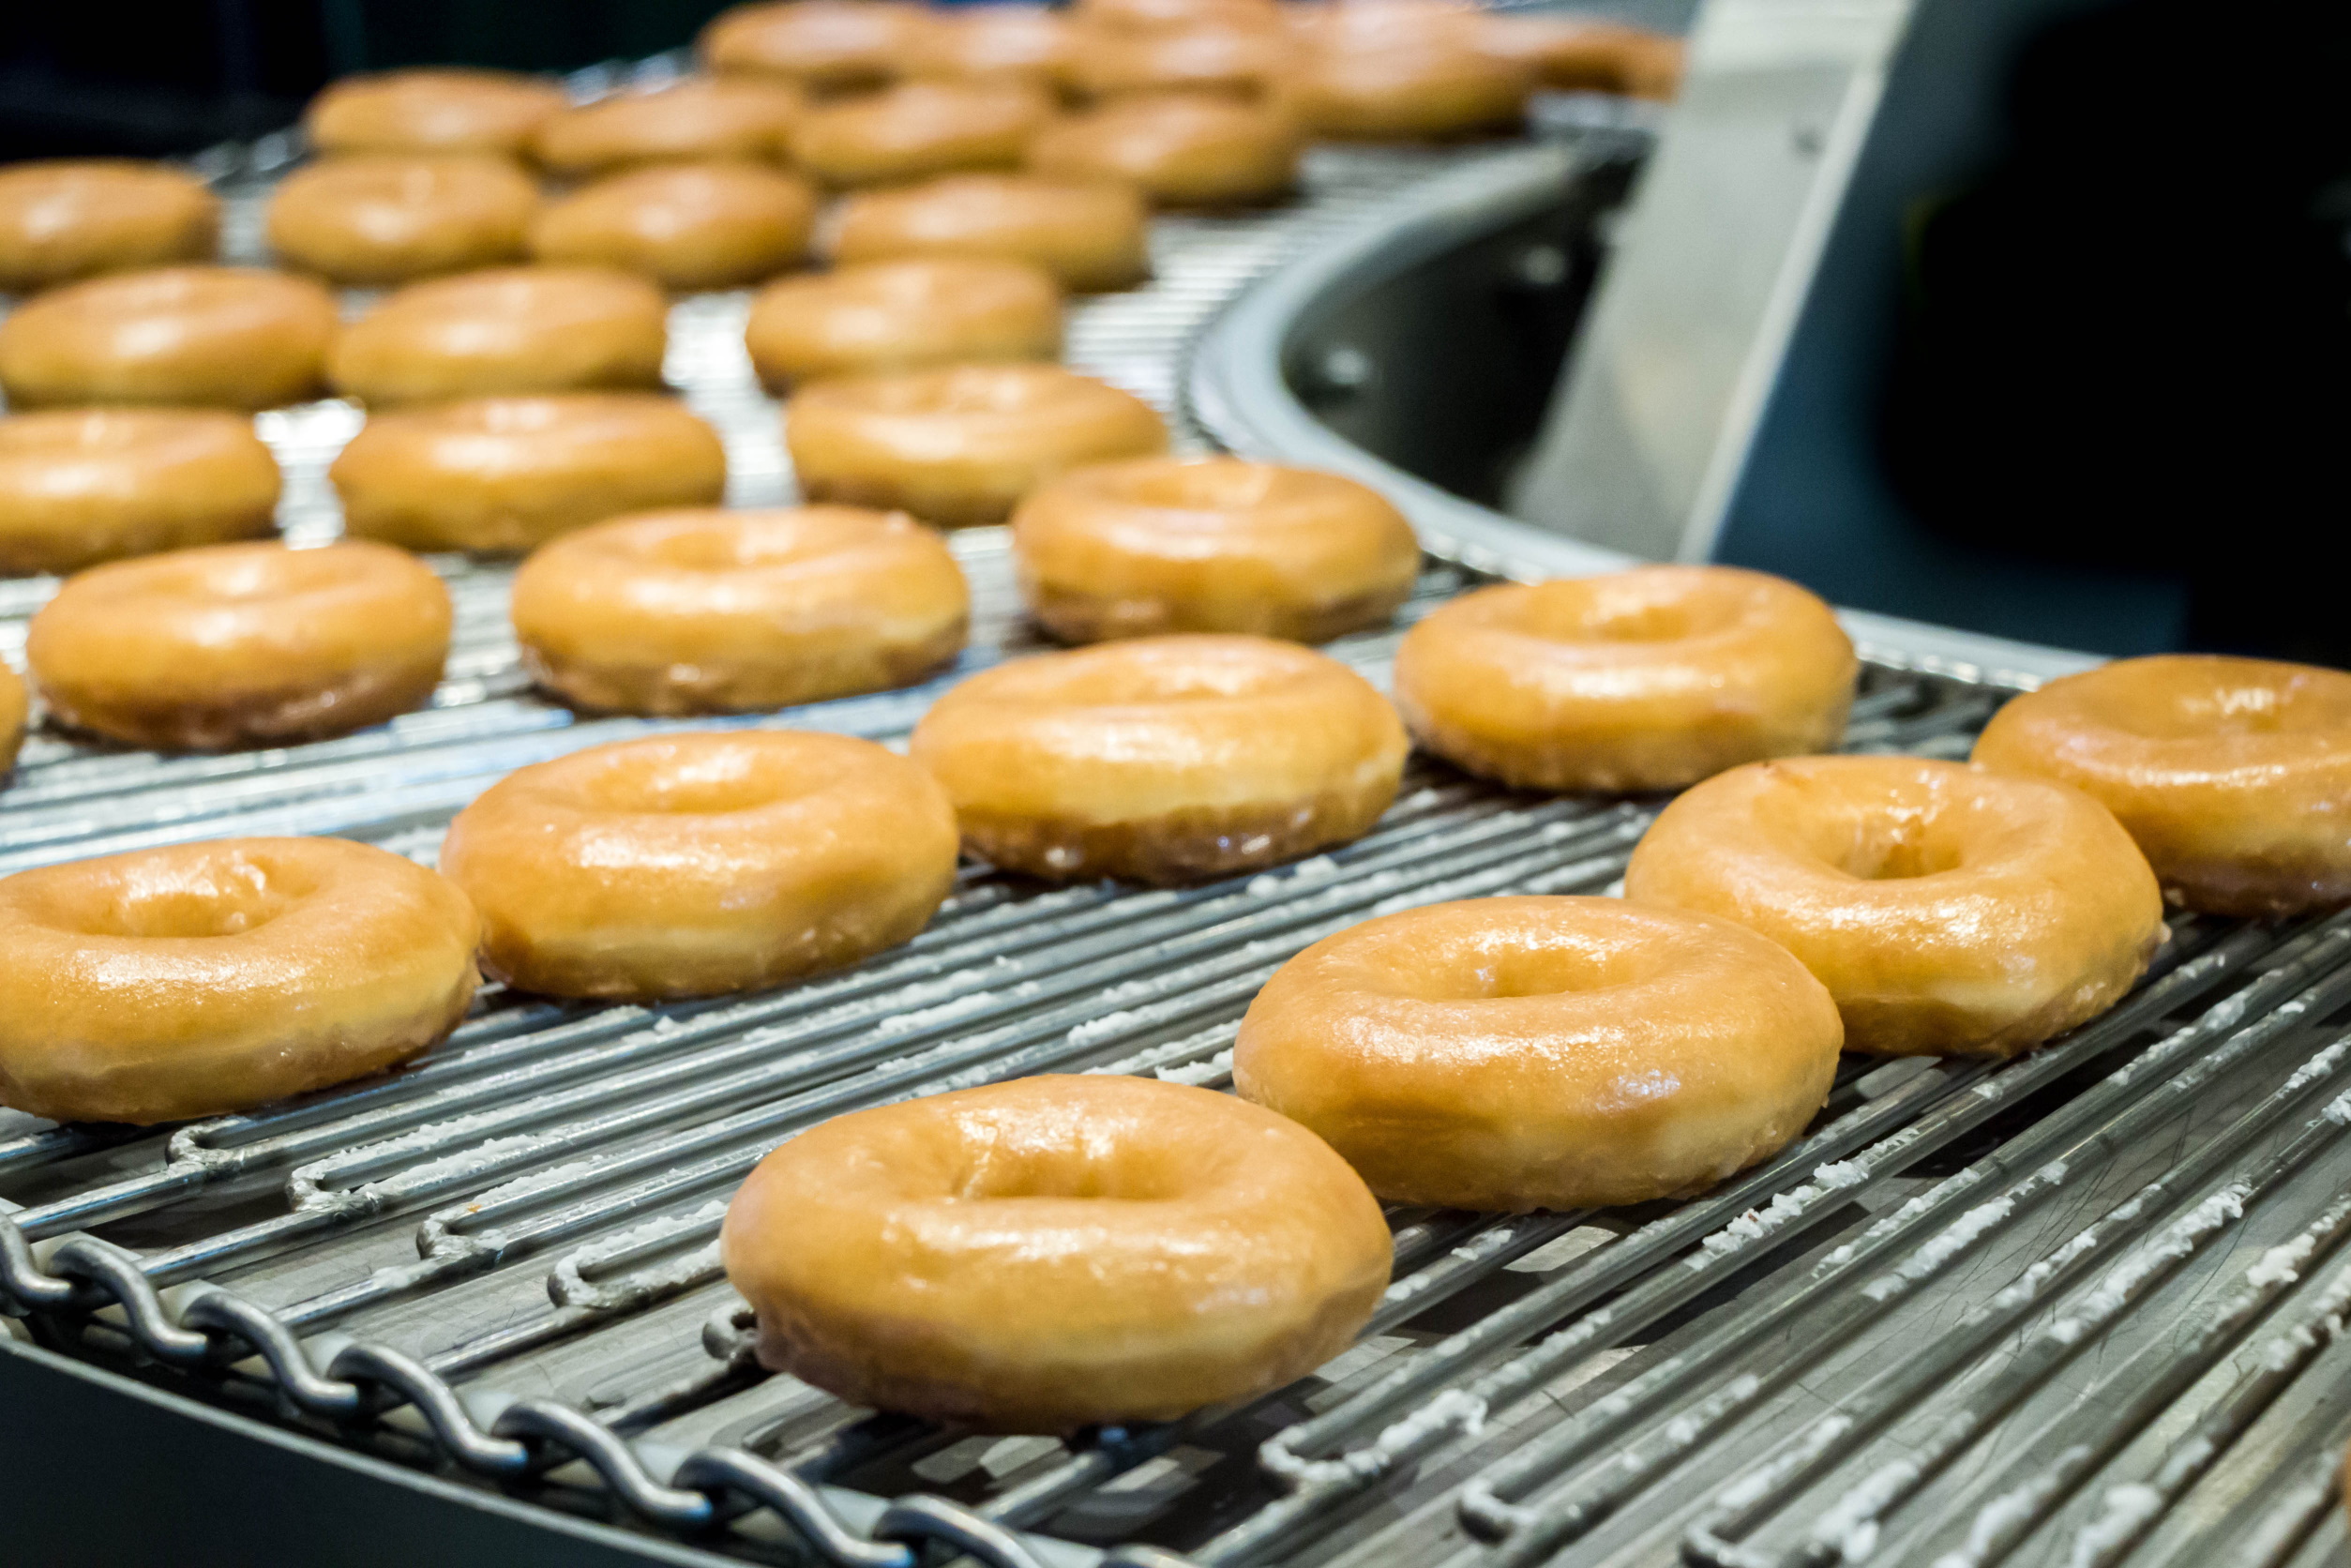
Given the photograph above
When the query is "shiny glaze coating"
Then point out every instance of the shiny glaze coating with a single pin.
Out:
(76, 218)
(1178, 150)
(507, 329)
(1407, 89)
(2234, 775)
(702, 119)
(15, 707)
(1168, 16)
(226, 647)
(695, 865)
(217, 336)
(1000, 42)
(81, 486)
(1055, 1252)
(1164, 759)
(1242, 61)
(684, 225)
(497, 474)
(1577, 54)
(388, 218)
(199, 979)
(739, 611)
(959, 445)
(918, 130)
(827, 46)
(1949, 911)
(1648, 679)
(1091, 234)
(1165, 543)
(431, 111)
(902, 316)
(1543, 1052)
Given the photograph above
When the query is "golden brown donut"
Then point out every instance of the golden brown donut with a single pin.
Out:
(227, 647)
(1165, 544)
(1088, 1249)
(1949, 912)
(199, 979)
(960, 445)
(1238, 61)
(918, 130)
(1091, 234)
(509, 473)
(700, 864)
(903, 315)
(228, 337)
(1543, 1052)
(2233, 775)
(437, 109)
(1180, 150)
(1407, 89)
(1575, 55)
(509, 329)
(81, 486)
(713, 611)
(702, 119)
(685, 225)
(1648, 679)
(1164, 759)
(827, 46)
(387, 218)
(999, 42)
(70, 218)
(1160, 16)
(14, 708)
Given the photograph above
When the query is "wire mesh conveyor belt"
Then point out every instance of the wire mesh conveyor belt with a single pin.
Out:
(2084, 1307)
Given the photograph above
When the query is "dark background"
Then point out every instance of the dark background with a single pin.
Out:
(93, 76)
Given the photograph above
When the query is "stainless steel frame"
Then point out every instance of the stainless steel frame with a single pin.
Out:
(2083, 1306)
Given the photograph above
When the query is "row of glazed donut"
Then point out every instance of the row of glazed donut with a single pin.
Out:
(696, 611)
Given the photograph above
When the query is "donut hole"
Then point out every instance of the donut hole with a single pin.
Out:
(1514, 964)
(1004, 1168)
(702, 781)
(976, 390)
(222, 895)
(1623, 610)
(1899, 854)
(1214, 485)
(1183, 671)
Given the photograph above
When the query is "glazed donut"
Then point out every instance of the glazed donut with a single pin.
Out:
(1648, 679)
(1165, 16)
(827, 46)
(1089, 1249)
(228, 647)
(1543, 1052)
(14, 709)
(386, 219)
(1178, 150)
(715, 611)
(919, 129)
(1090, 235)
(1163, 545)
(959, 445)
(68, 219)
(2234, 775)
(685, 226)
(1239, 61)
(81, 486)
(509, 329)
(1576, 55)
(702, 119)
(1165, 759)
(1000, 42)
(228, 337)
(1409, 89)
(434, 111)
(700, 864)
(199, 979)
(1951, 912)
(509, 473)
(902, 316)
